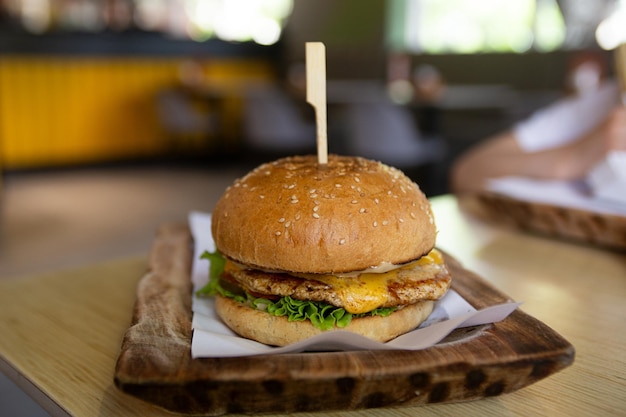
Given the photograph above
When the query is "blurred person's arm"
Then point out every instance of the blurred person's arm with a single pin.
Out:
(502, 156)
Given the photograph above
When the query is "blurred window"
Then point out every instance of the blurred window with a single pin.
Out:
(611, 32)
(260, 21)
(470, 26)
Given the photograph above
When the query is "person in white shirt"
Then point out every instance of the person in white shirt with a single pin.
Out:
(562, 141)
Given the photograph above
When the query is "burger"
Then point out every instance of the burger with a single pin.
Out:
(304, 248)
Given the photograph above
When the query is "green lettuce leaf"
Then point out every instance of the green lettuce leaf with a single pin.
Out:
(322, 315)
(216, 268)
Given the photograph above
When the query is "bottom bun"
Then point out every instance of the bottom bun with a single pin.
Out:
(279, 331)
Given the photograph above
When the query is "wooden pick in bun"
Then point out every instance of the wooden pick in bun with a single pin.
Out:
(309, 248)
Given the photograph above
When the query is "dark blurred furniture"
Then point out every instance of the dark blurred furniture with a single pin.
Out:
(189, 123)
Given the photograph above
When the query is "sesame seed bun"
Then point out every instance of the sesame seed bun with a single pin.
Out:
(279, 331)
(295, 215)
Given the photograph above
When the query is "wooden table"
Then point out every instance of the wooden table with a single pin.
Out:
(61, 332)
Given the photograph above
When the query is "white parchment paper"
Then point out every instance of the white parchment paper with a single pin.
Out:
(212, 338)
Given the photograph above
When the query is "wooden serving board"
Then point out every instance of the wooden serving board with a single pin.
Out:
(155, 361)
(571, 224)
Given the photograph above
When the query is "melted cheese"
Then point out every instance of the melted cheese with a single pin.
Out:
(232, 267)
(365, 291)
(368, 291)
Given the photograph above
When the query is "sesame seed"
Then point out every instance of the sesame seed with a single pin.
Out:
(375, 224)
(278, 233)
(298, 216)
(313, 195)
(316, 216)
(376, 201)
(261, 196)
(342, 241)
(354, 201)
(294, 201)
(385, 222)
(292, 186)
(338, 185)
(316, 208)
(401, 220)
(312, 190)
(412, 215)
(357, 179)
(281, 220)
(362, 210)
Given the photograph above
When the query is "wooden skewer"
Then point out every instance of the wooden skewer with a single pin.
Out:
(620, 69)
(316, 94)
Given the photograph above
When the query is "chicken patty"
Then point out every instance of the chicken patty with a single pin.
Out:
(404, 286)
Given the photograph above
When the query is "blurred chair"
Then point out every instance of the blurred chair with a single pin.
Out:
(189, 125)
(389, 133)
(274, 124)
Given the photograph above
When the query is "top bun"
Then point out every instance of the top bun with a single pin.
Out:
(295, 215)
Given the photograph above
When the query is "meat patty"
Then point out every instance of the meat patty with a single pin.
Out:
(407, 286)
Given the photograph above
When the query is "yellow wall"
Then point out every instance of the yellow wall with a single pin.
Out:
(60, 110)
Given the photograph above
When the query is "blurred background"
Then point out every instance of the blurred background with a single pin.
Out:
(118, 115)
(410, 82)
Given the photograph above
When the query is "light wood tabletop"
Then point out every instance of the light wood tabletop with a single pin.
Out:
(60, 333)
